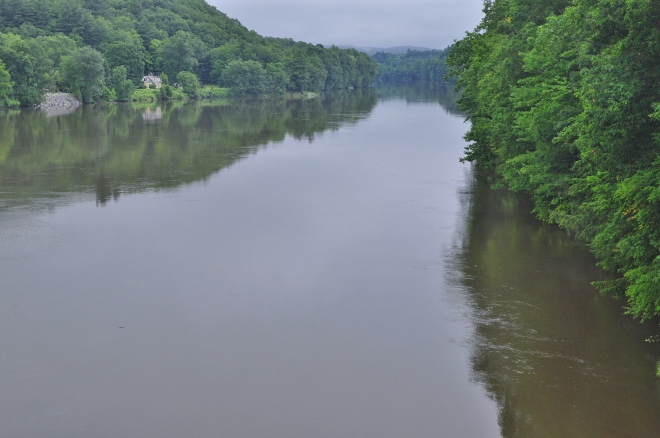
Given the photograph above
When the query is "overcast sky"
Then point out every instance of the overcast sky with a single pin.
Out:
(363, 23)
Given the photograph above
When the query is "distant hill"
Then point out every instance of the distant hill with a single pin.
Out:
(411, 66)
(394, 50)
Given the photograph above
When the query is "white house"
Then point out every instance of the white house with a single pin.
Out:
(150, 81)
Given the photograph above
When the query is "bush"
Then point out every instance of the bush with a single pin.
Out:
(178, 94)
(144, 95)
(165, 93)
(9, 103)
(5, 85)
(190, 84)
(245, 77)
(121, 86)
(213, 93)
(84, 74)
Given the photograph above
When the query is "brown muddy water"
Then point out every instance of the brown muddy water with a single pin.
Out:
(319, 268)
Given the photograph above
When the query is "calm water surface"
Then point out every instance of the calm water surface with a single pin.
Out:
(321, 268)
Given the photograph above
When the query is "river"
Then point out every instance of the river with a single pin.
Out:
(305, 268)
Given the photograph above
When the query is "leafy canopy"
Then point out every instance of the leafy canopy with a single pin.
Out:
(563, 101)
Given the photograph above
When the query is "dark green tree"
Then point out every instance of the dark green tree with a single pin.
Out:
(122, 86)
(245, 77)
(84, 74)
(190, 84)
(277, 79)
(165, 92)
(181, 52)
(5, 86)
(29, 66)
(563, 102)
(130, 55)
(223, 55)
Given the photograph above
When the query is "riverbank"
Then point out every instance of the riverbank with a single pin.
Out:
(303, 96)
(58, 104)
(59, 100)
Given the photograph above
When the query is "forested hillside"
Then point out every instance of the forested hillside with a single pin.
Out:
(564, 103)
(411, 67)
(95, 48)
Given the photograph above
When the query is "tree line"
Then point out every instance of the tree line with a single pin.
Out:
(100, 49)
(564, 104)
(411, 67)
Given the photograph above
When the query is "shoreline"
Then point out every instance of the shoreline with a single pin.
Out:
(58, 104)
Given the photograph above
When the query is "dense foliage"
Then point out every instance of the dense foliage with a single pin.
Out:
(45, 45)
(564, 103)
(412, 67)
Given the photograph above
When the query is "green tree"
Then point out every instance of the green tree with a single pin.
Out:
(30, 68)
(122, 86)
(223, 55)
(410, 67)
(277, 79)
(5, 86)
(165, 92)
(190, 84)
(56, 46)
(39, 13)
(306, 71)
(348, 61)
(12, 13)
(181, 52)
(245, 77)
(563, 102)
(70, 17)
(367, 69)
(84, 74)
(130, 55)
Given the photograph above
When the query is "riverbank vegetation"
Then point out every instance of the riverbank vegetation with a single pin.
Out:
(412, 67)
(564, 103)
(97, 49)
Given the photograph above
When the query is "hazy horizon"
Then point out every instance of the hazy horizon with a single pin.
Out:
(425, 23)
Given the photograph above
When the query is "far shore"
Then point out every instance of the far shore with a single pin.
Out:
(65, 103)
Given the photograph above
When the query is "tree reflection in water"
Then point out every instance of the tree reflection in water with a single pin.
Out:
(118, 149)
(559, 358)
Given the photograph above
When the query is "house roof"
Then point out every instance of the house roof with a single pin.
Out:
(152, 78)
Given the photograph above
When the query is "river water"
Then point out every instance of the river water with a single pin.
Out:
(318, 268)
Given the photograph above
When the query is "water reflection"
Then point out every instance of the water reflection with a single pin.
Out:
(116, 149)
(295, 294)
(302, 292)
(152, 115)
(559, 359)
(440, 93)
(58, 111)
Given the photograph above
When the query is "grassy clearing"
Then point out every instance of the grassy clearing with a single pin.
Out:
(144, 95)
(209, 92)
(213, 92)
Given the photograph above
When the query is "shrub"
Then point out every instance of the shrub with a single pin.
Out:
(213, 93)
(190, 84)
(245, 77)
(143, 95)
